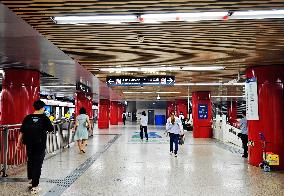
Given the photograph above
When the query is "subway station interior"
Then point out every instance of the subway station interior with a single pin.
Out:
(214, 68)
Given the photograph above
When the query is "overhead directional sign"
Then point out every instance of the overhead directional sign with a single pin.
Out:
(140, 81)
(83, 88)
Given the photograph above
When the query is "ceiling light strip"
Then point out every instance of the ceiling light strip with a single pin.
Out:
(163, 68)
(222, 96)
(209, 84)
(157, 18)
(227, 96)
(145, 92)
(58, 86)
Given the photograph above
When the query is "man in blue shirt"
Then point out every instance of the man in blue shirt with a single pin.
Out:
(244, 134)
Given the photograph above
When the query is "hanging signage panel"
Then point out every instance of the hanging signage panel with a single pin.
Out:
(83, 88)
(251, 99)
(140, 81)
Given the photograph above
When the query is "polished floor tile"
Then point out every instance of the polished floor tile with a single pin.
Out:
(134, 167)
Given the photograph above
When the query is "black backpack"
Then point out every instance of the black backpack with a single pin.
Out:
(33, 130)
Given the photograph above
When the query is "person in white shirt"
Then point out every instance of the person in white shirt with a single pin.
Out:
(174, 128)
(244, 134)
(143, 125)
(181, 116)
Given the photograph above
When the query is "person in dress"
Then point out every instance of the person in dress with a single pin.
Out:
(81, 129)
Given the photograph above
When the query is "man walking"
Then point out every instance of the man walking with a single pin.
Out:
(143, 125)
(33, 134)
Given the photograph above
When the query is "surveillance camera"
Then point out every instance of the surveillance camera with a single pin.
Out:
(140, 38)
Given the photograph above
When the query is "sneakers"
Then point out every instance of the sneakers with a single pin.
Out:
(176, 155)
(35, 190)
(171, 153)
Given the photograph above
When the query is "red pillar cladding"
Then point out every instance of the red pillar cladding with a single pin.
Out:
(170, 108)
(80, 100)
(182, 107)
(83, 100)
(271, 112)
(113, 118)
(103, 118)
(89, 106)
(120, 112)
(202, 114)
(232, 111)
(20, 88)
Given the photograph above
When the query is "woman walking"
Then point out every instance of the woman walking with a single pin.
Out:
(81, 126)
(174, 128)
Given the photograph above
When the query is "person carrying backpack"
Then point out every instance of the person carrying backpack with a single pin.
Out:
(33, 133)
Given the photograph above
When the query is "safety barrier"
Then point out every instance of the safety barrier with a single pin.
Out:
(226, 133)
(9, 156)
(61, 137)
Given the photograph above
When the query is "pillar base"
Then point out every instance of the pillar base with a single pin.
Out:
(202, 132)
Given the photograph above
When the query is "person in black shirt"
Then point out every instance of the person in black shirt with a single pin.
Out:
(124, 117)
(33, 134)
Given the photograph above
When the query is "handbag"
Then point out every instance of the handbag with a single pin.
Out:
(86, 124)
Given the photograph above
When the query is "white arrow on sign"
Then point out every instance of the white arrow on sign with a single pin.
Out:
(170, 80)
(110, 81)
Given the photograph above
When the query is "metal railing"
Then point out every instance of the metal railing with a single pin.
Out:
(61, 137)
(8, 141)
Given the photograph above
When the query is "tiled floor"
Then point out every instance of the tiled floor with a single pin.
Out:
(129, 167)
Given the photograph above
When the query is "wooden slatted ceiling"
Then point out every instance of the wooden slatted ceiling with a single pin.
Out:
(233, 44)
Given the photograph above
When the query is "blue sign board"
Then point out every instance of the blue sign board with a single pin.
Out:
(140, 81)
(47, 110)
(202, 111)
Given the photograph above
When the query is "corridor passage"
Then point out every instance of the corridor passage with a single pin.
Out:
(118, 163)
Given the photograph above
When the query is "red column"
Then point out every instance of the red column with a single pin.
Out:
(170, 108)
(103, 118)
(20, 88)
(182, 107)
(80, 100)
(120, 112)
(202, 114)
(83, 100)
(89, 106)
(271, 112)
(113, 117)
(232, 111)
